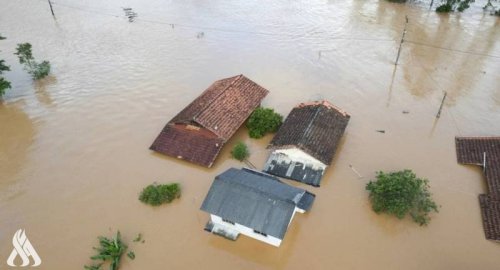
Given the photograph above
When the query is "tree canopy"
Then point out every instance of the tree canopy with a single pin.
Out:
(401, 193)
(4, 84)
(35, 69)
(240, 151)
(156, 194)
(262, 121)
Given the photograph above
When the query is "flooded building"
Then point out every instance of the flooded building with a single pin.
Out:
(255, 204)
(306, 142)
(485, 152)
(199, 131)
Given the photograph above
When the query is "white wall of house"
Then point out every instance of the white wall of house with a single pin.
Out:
(248, 231)
(298, 155)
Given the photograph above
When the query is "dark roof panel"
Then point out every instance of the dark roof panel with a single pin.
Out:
(485, 152)
(490, 210)
(474, 150)
(255, 200)
(315, 128)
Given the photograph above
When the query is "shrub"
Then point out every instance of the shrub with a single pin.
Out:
(401, 193)
(240, 151)
(262, 121)
(156, 194)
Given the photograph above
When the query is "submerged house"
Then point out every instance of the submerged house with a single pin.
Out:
(306, 142)
(485, 152)
(199, 131)
(254, 204)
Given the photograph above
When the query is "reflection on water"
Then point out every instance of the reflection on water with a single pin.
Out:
(74, 146)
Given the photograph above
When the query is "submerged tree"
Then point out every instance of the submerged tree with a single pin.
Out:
(4, 84)
(401, 193)
(457, 5)
(35, 69)
(262, 121)
(240, 151)
(156, 194)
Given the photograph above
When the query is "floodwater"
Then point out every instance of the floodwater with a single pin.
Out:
(74, 147)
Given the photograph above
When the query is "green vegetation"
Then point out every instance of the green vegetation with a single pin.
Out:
(451, 5)
(35, 69)
(157, 194)
(240, 151)
(138, 238)
(458, 5)
(109, 250)
(401, 193)
(4, 84)
(262, 121)
(131, 255)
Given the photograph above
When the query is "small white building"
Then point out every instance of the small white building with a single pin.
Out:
(306, 142)
(254, 204)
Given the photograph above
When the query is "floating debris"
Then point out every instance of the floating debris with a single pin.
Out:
(406, 112)
(381, 131)
(200, 35)
(130, 14)
(355, 171)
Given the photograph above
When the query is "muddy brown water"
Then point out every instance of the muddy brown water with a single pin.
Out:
(74, 147)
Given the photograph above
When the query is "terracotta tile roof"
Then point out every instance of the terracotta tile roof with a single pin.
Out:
(315, 128)
(196, 146)
(485, 152)
(217, 114)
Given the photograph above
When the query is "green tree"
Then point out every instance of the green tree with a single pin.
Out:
(4, 84)
(35, 69)
(401, 193)
(460, 5)
(240, 151)
(156, 194)
(262, 121)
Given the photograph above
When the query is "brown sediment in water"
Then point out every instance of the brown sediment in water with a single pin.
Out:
(75, 149)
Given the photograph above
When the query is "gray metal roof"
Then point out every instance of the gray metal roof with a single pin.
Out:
(256, 200)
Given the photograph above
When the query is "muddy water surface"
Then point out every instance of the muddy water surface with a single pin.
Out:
(74, 147)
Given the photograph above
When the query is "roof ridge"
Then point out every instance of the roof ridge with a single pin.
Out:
(323, 102)
(308, 129)
(251, 187)
(237, 77)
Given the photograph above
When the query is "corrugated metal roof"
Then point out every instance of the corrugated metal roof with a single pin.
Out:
(282, 165)
(255, 200)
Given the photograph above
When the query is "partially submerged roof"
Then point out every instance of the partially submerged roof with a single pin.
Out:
(485, 152)
(256, 200)
(199, 131)
(315, 128)
(490, 210)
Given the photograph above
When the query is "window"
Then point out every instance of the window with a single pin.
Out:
(261, 233)
(228, 221)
